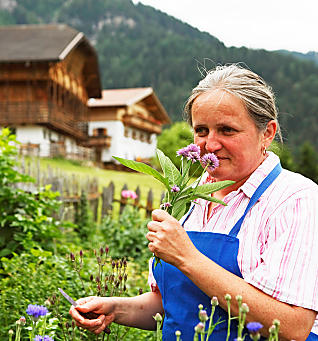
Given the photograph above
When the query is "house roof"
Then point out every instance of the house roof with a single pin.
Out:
(48, 43)
(130, 96)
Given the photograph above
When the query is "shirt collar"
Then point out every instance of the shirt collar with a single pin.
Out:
(250, 185)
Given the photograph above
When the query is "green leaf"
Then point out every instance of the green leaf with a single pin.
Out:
(208, 198)
(214, 187)
(179, 209)
(143, 168)
(170, 171)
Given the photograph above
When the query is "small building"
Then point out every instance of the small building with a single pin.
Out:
(132, 118)
(47, 75)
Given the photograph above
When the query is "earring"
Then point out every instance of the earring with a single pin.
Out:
(264, 150)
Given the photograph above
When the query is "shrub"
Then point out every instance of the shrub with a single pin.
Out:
(126, 236)
(25, 218)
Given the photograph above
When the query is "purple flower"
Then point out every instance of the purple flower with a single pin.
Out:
(254, 327)
(175, 188)
(210, 160)
(165, 205)
(191, 152)
(43, 338)
(35, 311)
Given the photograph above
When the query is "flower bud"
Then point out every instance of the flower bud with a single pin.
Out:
(199, 328)
(200, 306)
(81, 253)
(178, 333)
(91, 277)
(203, 316)
(228, 297)
(239, 298)
(11, 332)
(140, 291)
(245, 309)
(214, 301)
(22, 320)
(276, 323)
(106, 249)
(72, 256)
(158, 317)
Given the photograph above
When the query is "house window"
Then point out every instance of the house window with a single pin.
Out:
(126, 132)
(99, 132)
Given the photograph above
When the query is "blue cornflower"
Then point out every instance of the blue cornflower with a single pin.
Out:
(210, 160)
(35, 311)
(43, 338)
(254, 327)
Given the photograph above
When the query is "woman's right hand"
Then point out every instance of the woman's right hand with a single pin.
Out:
(102, 306)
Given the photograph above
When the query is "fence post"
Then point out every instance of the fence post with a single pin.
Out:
(137, 200)
(123, 201)
(149, 207)
(107, 199)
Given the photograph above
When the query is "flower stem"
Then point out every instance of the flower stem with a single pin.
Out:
(210, 329)
(229, 318)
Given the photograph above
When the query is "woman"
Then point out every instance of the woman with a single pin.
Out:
(259, 246)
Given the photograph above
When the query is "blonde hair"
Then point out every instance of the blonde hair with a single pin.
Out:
(256, 95)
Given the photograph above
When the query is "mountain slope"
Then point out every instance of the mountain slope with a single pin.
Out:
(140, 46)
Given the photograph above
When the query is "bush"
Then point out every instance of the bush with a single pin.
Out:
(25, 218)
(126, 236)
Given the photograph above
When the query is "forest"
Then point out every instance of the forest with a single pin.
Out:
(139, 46)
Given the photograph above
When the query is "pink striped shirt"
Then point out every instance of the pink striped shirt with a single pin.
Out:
(278, 238)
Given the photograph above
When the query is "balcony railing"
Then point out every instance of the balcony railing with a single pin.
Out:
(49, 114)
(139, 123)
(98, 141)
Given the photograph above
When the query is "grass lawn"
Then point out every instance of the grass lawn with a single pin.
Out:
(104, 177)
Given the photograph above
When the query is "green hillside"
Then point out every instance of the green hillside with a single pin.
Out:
(140, 46)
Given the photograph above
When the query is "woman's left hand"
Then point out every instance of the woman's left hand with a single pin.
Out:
(167, 238)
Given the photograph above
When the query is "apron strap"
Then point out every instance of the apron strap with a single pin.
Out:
(257, 194)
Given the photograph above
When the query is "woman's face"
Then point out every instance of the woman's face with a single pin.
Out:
(222, 126)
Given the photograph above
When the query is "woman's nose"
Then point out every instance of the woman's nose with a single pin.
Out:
(212, 144)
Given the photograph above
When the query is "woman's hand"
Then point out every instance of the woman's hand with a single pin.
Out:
(101, 306)
(167, 238)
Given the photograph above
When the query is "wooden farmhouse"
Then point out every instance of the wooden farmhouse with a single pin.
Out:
(47, 75)
(132, 118)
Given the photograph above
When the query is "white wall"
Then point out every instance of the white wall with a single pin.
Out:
(121, 146)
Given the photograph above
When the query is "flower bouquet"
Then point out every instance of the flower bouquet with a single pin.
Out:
(180, 191)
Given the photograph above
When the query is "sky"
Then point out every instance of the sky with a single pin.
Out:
(259, 24)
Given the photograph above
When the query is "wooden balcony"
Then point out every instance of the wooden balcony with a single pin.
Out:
(42, 113)
(98, 141)
(139, 123)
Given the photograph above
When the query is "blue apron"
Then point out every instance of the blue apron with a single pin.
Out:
(181, 297)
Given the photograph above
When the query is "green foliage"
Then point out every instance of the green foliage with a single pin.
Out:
(308, 162)
(25, 218)
(83, 217)
(31, 278)
(126, 236)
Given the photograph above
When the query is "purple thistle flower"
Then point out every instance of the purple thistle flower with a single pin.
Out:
(191, 152)
(175, 188)
(35, 311)
(165, 205)
(210, 160)
(254, 327)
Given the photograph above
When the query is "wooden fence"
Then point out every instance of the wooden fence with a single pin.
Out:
(70, 187)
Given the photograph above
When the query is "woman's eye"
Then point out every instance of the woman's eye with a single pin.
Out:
(227, 129)
(201, 131)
